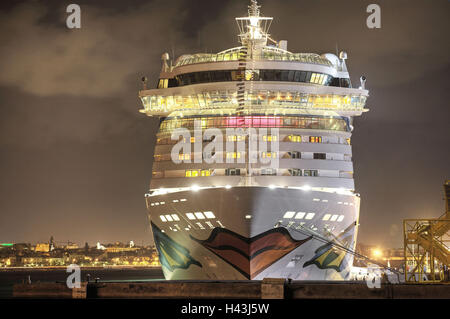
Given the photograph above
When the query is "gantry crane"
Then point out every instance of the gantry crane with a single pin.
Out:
(426, 246)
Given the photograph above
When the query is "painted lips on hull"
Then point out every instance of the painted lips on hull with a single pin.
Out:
(250, 256)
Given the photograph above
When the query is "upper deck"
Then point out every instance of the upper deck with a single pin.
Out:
(254, 75)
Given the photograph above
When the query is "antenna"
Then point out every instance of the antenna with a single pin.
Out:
(253, 29)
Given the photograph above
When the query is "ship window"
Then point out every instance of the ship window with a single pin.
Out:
(295, 172)
(289, 215)
(326, 217)
(294, 154)
(205, 172)
(333, 218)
(232, 171)
(200, 225)
(295, 138)
(315, 139)
(191, 173)
(235, 138)
(184, 157)
(209, 215)
(190, 216)
(341, 218)
(319, 156)
(163, 218)
(233, 154)
(310, 172)
(163, 84)
(199, 215)
(169, 218)
(269, 155)
(175, 217)
(264, 75)
(300, 215)
(268, 171)
(309, 216)
(269, 138)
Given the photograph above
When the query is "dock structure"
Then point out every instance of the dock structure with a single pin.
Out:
(427, 246)
(268, 288)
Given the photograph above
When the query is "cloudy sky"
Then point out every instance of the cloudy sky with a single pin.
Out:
(76, 156)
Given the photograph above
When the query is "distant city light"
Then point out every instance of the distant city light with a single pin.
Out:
(228, 186)
(195, 188)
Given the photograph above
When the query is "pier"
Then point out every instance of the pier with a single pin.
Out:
(268, 288)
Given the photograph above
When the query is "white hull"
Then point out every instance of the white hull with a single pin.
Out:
(280, 248)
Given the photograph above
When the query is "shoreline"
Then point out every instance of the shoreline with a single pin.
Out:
(18, 269)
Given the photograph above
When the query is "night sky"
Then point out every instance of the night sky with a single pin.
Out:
(76, 156)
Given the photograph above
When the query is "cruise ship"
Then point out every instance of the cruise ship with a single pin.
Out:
(252, 175)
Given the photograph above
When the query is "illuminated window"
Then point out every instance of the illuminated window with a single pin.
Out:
(295, 138)
(270, 138)
(341, 218)
(192, 173)
(289, 215)
(300, 215)
(315, 139)
(233, 154)
(163, 83)
(269, 155)
(334, 218)
(163, 218)
(196, 172)
(235, 138)
(184, 157)
(326, 217)
(309, 216)
(190, 216)
(348, 141)
(199, 215)
(175, 217)
(191, 140)
(205, 172)
(209, 215)
(209, 224)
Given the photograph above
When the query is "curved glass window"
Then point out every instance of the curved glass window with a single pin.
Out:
(258, 75)
(257, 121)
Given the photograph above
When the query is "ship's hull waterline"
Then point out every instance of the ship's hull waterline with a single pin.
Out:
(252, 233)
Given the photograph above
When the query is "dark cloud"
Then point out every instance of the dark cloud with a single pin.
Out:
(76, 155)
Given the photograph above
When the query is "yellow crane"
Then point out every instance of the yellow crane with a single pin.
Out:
(426, 246)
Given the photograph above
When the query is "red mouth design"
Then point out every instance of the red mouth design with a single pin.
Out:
(250, 256)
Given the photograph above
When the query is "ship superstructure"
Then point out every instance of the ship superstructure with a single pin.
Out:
(253, 174)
